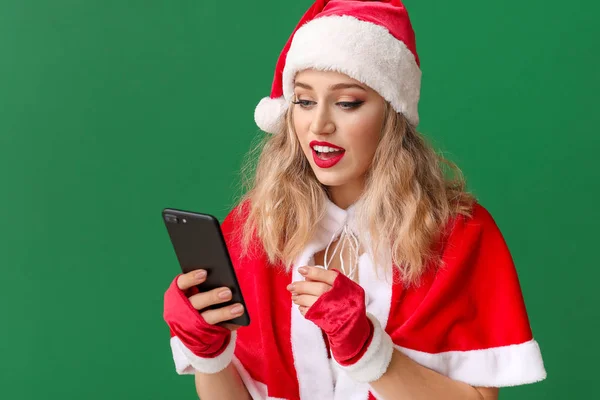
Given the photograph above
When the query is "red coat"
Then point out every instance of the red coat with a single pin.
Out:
(467, 320)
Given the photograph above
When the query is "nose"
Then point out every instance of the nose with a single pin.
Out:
(322, 124)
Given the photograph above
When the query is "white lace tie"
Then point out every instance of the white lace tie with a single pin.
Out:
(345, 235)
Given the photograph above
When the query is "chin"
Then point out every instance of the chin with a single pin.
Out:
(330, 179)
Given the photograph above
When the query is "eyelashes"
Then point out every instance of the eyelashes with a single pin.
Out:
(345, 105)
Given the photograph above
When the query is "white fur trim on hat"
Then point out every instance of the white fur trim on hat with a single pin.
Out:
(269, 113)
(186, 362)
(373, 364)
(362, 50)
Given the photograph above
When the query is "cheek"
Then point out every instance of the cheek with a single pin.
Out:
(365, 141)
(300, 125)
(301, 122)
(365, 155)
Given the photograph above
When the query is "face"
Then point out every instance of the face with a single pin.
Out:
(338, 121)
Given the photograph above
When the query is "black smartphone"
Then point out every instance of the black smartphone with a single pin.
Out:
(199, 244)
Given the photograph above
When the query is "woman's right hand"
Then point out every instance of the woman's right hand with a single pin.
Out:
(195, 326)
(201, 300)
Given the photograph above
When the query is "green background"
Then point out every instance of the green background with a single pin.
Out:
(112, 110)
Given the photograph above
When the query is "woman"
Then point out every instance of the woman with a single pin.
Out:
(366, 272)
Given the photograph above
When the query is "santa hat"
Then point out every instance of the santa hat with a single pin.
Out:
(370, 41)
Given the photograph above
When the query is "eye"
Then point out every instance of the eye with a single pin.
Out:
(304, 103)
(349, 105)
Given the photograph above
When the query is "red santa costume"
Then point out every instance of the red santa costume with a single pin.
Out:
(466, 320)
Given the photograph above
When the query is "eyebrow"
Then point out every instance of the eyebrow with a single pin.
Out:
(337, 86)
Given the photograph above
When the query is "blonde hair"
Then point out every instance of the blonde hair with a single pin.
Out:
(407, 201)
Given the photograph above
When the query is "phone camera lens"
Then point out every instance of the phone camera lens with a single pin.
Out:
(171, 218)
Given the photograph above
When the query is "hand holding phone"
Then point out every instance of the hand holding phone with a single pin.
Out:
(203, 304)
(200, 246)
(189, 282)
(200, 333)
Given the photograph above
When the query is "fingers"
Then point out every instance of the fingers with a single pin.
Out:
(314, 288)
(191, 279)
(205, 299)
(318, 274)
(304, 300)
(317, 282)
(223, 314)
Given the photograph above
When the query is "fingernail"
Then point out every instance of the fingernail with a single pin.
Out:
(237, 310)
(303, 270)
(200, 274)
(225, 294)
(291, 287)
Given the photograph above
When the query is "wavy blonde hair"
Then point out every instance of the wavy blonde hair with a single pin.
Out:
(407, 201)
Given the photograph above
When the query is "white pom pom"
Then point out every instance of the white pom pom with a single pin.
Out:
(269, 113)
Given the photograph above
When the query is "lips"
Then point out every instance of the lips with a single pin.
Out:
(331, 159)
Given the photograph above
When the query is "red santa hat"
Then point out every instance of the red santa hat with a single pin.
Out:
(370, 41)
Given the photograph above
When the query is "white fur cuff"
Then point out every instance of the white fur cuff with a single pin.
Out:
(187, 363)
(376, 359)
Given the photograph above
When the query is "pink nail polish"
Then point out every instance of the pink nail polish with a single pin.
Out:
(237, 310)
(200, 274)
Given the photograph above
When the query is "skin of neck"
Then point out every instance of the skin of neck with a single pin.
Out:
(347, 194)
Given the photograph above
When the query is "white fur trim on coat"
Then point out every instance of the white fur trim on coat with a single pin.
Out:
(362, 50)
(187, 363)
(503, 366)
(318, 376)
(315, 378)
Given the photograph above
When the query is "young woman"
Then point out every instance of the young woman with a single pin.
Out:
(367, 272)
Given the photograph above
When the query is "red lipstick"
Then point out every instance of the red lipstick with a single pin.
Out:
(329, 159)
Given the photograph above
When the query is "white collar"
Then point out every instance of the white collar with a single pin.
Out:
(336, 217)
(337, 222)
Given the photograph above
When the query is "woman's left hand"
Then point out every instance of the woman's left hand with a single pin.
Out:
(336, 304)
(318, 282)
